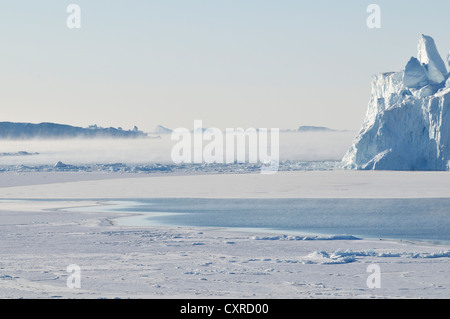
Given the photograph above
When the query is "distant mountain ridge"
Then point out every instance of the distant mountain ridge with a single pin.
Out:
(13, 130)
(308, 128)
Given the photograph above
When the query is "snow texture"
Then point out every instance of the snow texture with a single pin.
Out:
(407, 124)
(39, 241)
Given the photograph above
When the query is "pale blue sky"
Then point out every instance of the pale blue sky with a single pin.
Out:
(246, 63)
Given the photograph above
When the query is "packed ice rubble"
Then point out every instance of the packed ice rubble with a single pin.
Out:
(407, 124)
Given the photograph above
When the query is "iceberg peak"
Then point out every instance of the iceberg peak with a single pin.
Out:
(429, 56)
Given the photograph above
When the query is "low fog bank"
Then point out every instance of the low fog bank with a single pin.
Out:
(294, 146)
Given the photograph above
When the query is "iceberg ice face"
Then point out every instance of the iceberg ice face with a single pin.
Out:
(429, 56)
(387, 90)
(415, 74)
(424, 92)
(407, 124)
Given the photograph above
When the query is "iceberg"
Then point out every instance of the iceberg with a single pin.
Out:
(407, 123)
(162, 130)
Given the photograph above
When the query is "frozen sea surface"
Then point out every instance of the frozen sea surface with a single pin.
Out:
(149, 168)
(405, 219)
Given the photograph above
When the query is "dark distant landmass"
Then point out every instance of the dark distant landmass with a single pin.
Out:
(10, 130)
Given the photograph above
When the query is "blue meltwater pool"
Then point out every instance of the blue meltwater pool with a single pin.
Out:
(406, 219)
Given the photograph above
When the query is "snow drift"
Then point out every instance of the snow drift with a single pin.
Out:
(407, 124)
